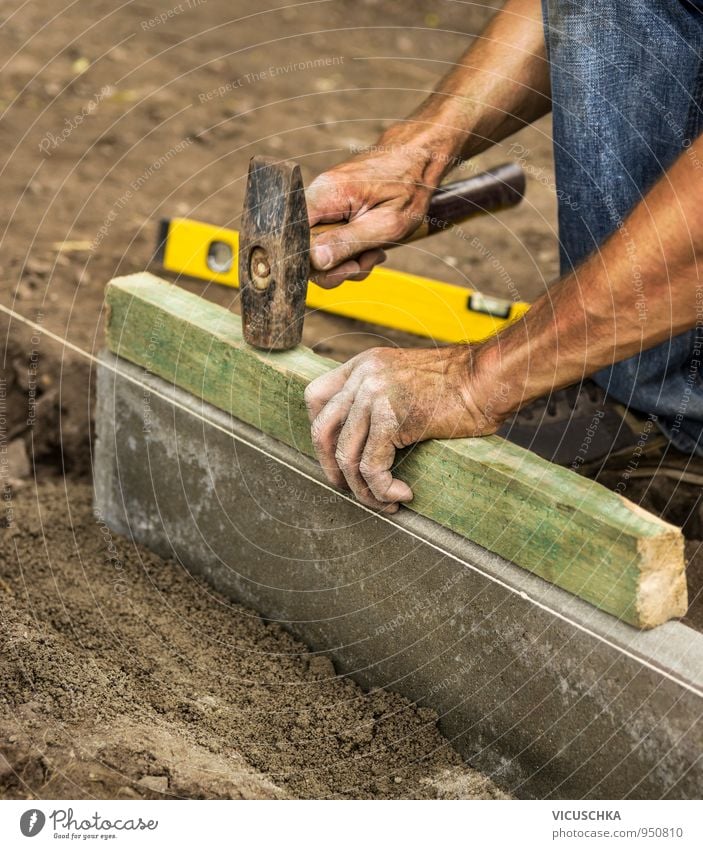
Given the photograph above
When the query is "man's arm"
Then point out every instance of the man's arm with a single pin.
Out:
(642, 287)
(498, 86)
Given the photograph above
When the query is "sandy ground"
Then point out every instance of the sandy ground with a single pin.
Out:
(124, 677)
(114, 115)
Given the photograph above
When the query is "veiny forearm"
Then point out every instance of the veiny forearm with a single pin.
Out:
(498, 86)
(641, 288)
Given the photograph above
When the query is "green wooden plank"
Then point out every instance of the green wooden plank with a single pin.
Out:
(564, 528)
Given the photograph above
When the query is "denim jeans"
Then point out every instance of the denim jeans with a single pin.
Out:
(627, 93)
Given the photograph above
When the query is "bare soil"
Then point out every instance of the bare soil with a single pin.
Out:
(124, 677)
(113, 116)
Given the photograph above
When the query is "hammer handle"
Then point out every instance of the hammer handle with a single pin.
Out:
(498, 188)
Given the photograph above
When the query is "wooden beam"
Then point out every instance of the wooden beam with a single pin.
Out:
(558, 525)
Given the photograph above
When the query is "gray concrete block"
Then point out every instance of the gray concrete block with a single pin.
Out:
(548, 695)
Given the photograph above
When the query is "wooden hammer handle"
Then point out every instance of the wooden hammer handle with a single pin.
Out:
(498, 188)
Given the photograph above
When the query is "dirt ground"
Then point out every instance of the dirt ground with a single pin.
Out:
(113, 116)
(168, 689)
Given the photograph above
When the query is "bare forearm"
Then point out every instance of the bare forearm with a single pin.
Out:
(498, 86)
(641, 288)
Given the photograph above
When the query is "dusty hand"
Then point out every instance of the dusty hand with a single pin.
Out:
(386, 399)
(382, 195)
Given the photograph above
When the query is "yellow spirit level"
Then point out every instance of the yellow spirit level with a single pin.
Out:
(394, 299)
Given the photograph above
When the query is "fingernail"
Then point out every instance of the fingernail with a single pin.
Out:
(323, 257)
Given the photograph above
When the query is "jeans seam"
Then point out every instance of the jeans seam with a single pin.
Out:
(693, 122)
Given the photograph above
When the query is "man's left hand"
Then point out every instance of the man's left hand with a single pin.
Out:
(386, 399)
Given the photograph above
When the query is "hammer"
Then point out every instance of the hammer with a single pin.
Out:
(275, 238)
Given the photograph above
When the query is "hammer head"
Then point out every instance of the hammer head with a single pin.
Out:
(274, 249)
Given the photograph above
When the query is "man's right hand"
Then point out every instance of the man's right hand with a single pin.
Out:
(498, 86)
(382, 194)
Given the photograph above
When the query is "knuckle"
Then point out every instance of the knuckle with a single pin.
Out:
(370, 360)
(380, 354)
(310, 395)
(317, 433)
(325, 183)
(343, 460)
(334, 242)
(368, 470)
(374, 385)
(373, 393)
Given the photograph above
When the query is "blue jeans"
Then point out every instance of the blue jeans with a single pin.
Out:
(627, 93)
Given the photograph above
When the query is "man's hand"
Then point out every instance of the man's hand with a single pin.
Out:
(382, 194)
(386, 399)
(498, 86)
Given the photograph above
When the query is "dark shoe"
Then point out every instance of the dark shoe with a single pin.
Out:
(582, 428)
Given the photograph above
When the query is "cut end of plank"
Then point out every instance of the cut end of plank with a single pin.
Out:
(662, 592)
